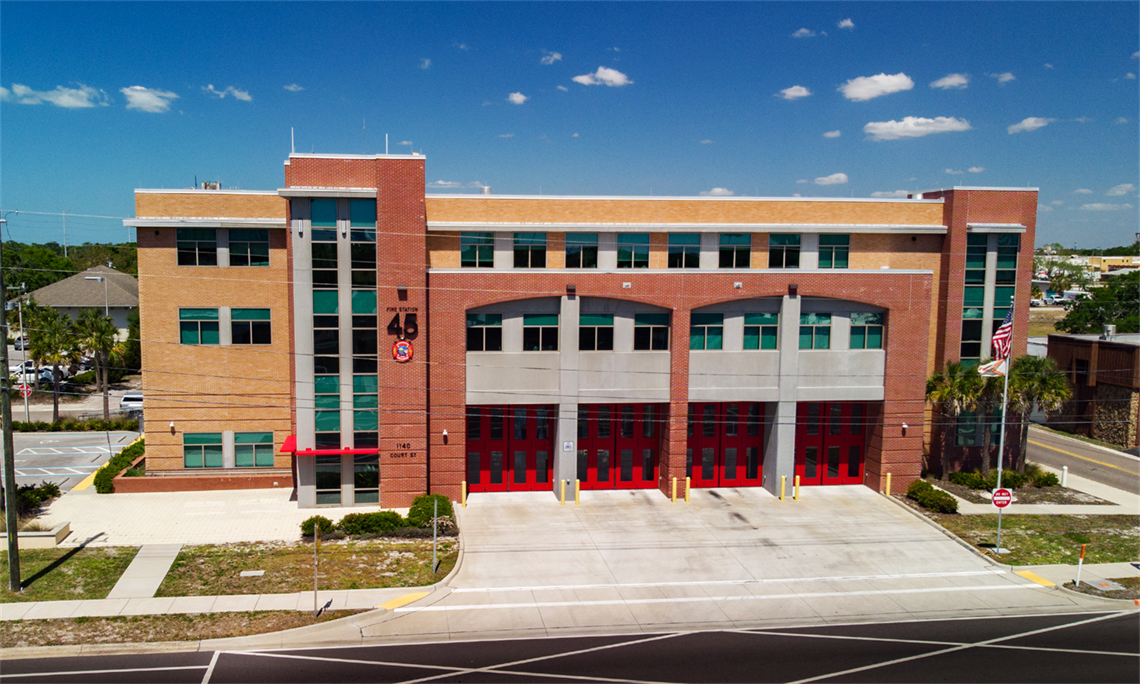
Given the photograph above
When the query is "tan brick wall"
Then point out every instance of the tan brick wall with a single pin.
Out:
(556, 250)
(209, 204)
(659, 250)
(759, 250)
(443, 250)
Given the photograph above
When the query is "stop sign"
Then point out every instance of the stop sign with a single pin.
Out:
(1002, 497)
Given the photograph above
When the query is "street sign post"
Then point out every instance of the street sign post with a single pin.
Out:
(25, 390)
(1002, 497)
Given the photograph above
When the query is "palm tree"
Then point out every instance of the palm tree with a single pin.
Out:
(989, 398)
(54, 346)
(953, 391)
(96, 336)
(1035, 383)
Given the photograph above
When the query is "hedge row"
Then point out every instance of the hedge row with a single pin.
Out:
(1010, 479)
(388, 523)
(72, 425)
(105, 476)
(924, 493)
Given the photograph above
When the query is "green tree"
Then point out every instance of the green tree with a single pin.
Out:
(1035, 383)
(54, 345)
(95, 335)
(1061, 274)
(1116, 302)
(952, 391)
(988, 400)
(34, 265)
(131, 348)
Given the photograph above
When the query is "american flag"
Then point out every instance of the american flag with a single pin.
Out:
(1002, 337)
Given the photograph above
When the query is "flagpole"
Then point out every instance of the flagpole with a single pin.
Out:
(1001, 344)
(1001, 446)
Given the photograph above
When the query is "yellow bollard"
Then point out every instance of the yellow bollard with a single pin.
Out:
(674, 490)
(687, 489)
(783, 483)
(796, 489)
(463, 493)
(888, 484)
(577, 489)
(563, 492)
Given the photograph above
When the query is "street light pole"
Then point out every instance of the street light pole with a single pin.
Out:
(11, 518)
(23, 351)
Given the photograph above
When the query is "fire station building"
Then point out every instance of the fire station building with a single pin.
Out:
(354, 337)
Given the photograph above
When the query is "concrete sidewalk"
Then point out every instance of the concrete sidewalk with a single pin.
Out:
(1124, 503)
(144, 575)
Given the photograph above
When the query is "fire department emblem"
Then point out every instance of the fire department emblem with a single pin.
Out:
(402, 351)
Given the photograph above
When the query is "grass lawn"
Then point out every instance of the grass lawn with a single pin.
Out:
(345, 564)
(140, 628)
(67, 574)
(1041, 321)
(1051, 539)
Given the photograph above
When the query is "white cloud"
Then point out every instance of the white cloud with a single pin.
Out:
(883, 194)
(574, 136)
(1005, 77)
(794, 93)
(1048, 65)
(461, 46)
(1099, 206)
(833, 179)
(869, 87)
(81, 97)
(425, 63)
(804, 33)
(1057, 202)
(1129, 76)
(846, 24)
(1136, 55)
(1121, 120)
(1122, 189)
(517, 98)
(718, 192)
(454, 185)
(549, 58)
(1031, 123)
(802, 180)
(242, 95)
(148, 99)
(507, 135)
(976, 169)
(954, 173)
(832, 134)
(951, 81)
(563, 89)
(603, 76)
(1044, 208)
(914, 127)
(294, 88)
(706, 141)
(1082, 191)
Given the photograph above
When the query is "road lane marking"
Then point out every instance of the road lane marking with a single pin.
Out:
(91, 672)
(1084, 458)
(1032, 577)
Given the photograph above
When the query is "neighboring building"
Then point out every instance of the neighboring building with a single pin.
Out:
(1104, 264)
(380, 342)
(86, 290)
(1104, 374)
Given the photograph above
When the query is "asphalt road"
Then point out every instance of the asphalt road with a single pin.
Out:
(1049, 648)
(1113, 468)
(64, 457)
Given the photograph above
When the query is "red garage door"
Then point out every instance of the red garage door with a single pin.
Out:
(726, 444)
(618, 445)
(831, 438)
(509, 448)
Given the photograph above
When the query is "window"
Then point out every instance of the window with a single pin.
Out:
(651, 332)
(484, 332)
(706, 331)
(761, 330)
(833, 250)
(866, 331)
(477, 250)
(632, 250)
(596, 332)
(540, 332)
(815, 331)
(966, 432)
(1007, 249)
(530, 250)
(250, 326)
(328, 480)
(684, 250)
(735, 250)
(783, 250)
(581, 250)
(197, 246)
(363, 265)
(249, 247)
(326, 390)
(198, 326)
(253, 449)
(976, 246)
(324, 265)
(365, 334)
(366, 479)
(202, 450)
(366, 415)
(322, 219)
(362, 220)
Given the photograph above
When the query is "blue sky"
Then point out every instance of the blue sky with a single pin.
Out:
(770, 99)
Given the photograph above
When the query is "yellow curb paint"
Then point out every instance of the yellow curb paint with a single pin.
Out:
(1034, 578)
(1083, 458)
(87, 482)
(90, 479)
(402, 601)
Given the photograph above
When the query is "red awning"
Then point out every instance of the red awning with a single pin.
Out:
(290, 445)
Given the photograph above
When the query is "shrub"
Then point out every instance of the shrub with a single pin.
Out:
(105, 476)
(370, 523)
(30, 497)
(72, 425)
(1046, 480)
(925, 495)
(84, 378)
(917, 488)
(971, 480)
(1010, 479)
(307, 526)
(421, 512)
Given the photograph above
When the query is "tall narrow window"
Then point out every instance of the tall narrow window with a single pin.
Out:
(706, 331)
(484, 332)
(366, 479)
(632, 250)
(684, 250)
(249, 247)
(326, 389)
(477, 250)
(735, 250)
(322, 218)
(596, 332)
(197, 246)
(783, 250)
(866, 331)
(362, 220)
(366, 418)
(761, 330)
(530, 250)
(1008, 246)
(198, 326)
(651, 332)
(833, 250)
(328, 480)
(815, 331)
(581, 250)
(540, 332)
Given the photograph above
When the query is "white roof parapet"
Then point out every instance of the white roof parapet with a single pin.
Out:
(204, 222)
(685, 198)
(995, 228)
(360, 193)
(933, 229)
(200, 191)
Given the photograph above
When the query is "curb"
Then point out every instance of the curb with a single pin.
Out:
(961, 542)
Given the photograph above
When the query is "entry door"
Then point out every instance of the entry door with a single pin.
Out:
(741, 441)
(595, 446)
(531, 447)
(809, 442)
(487, 449)
(701, 456)
(636, 446)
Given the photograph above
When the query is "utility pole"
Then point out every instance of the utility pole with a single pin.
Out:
(9, 449)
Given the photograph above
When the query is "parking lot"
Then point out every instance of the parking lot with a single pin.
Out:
(65, 458)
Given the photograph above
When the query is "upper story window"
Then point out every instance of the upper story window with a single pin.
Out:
(976, 246)
(735, 250)
(530, 250)
(596, 332)
(326, 419)
(833, 250)
(706, 331)
(633, 250)
(540, 332)
(684, 250)
(477, 250)
(581, 250)
(761, 330)
(783, 250)
(322, 219)
(249, 247)
(815, 331)
(324, 261)
(363, 255)
(484, 332)
(362, 220)
(866, 331)
(250, 326)
(1008, 246)
(197, 246)
(198, 326)
(651, 332)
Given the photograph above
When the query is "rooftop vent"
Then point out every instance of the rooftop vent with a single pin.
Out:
(1109, 332)
(211, 185)
(486, 190)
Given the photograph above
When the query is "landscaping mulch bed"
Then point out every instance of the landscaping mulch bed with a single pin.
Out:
(288, 566)
(67, 574)
(146, 628)
(1130, 592)
(1028, 494)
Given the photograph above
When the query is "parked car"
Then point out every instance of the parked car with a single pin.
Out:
(21, 343)
(29, 366)
(1037, 301)
(131, 401)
